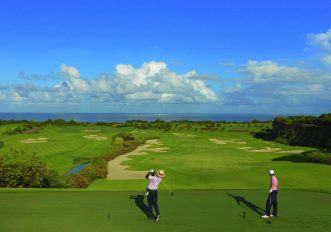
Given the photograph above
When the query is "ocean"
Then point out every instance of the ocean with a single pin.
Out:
(122, 117)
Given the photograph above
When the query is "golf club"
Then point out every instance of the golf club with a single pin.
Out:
(171, 192)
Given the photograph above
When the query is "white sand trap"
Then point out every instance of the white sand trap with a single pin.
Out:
(245, 148)
(267, 149)
(183, 135)
(91, 131)
(141, 132)
(217, 141)
(118, 171)
(95, 137)
(38, 140)
(291, 152)
(270, 149)
(233, 141)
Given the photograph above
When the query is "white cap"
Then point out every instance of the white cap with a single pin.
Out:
(271, 172)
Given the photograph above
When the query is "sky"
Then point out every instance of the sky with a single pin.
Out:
(166, 56)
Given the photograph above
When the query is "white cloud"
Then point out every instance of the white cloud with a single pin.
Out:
(266, 71)
(69, 72)
(16, 97)
(153, 82)
(327, 60)
(2, 96)
(268, 83)
(322, 40)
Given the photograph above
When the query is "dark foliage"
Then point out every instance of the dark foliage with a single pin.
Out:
(303, 130)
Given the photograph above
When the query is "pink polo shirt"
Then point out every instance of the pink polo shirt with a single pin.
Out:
(154, 182)
(273, 183)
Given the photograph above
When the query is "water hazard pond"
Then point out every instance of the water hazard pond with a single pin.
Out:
(77, 169)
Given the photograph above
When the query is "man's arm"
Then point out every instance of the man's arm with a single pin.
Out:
(149, 173)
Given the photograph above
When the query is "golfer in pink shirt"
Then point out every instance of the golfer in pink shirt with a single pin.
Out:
(154, 181)
(272, 198)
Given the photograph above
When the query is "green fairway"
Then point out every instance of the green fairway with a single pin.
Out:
(200, 210)
(65, 146)
(219, 178)
(197, 163)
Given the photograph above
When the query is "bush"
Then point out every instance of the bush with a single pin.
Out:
(318, 157)
(124, 136)
(79, 181)
(118, 141)
(20, 169)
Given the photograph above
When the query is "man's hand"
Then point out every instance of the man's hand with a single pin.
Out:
(270, 191)
(151, 171)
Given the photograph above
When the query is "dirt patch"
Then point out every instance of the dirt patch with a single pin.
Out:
(95, 137)
(91, 131)
(37, 140)
(118, 171)
(183, 135)
(232, 141)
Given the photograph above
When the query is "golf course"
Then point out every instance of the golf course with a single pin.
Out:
(215, 180)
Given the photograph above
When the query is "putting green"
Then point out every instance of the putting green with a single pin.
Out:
(199, 210)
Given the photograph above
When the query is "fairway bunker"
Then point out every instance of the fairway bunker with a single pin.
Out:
(90, 131)
(37, 140)
(227, 141)
(183, 135)
(95, 137)
(270, 149)
(118, 171)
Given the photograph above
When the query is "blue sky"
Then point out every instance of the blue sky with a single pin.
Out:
(165, 56)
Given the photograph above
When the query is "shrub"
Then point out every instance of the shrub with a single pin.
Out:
(318, 157)
(20, 169)
(118, 141)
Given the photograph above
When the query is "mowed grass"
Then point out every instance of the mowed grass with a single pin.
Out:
(196, 163)
(217, 187)
(198, 210)
(66, 145)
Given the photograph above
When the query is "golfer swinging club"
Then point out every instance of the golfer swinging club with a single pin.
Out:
(154, 181)
(272, 198)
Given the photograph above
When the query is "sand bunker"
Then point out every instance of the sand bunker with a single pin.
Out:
(38, 140)
(217, 141)
(233, 141)
(142, 132)
(91, 131)
(292, 152)
(95, 137)
(118, 171)
(270, 149)
(183, 135)
(245, 148)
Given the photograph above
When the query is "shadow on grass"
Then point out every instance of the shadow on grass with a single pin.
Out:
(291, 158)
(267, 136)
(139, 201)
(242, 201)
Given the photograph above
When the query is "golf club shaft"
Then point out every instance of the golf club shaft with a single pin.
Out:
(167, 186)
